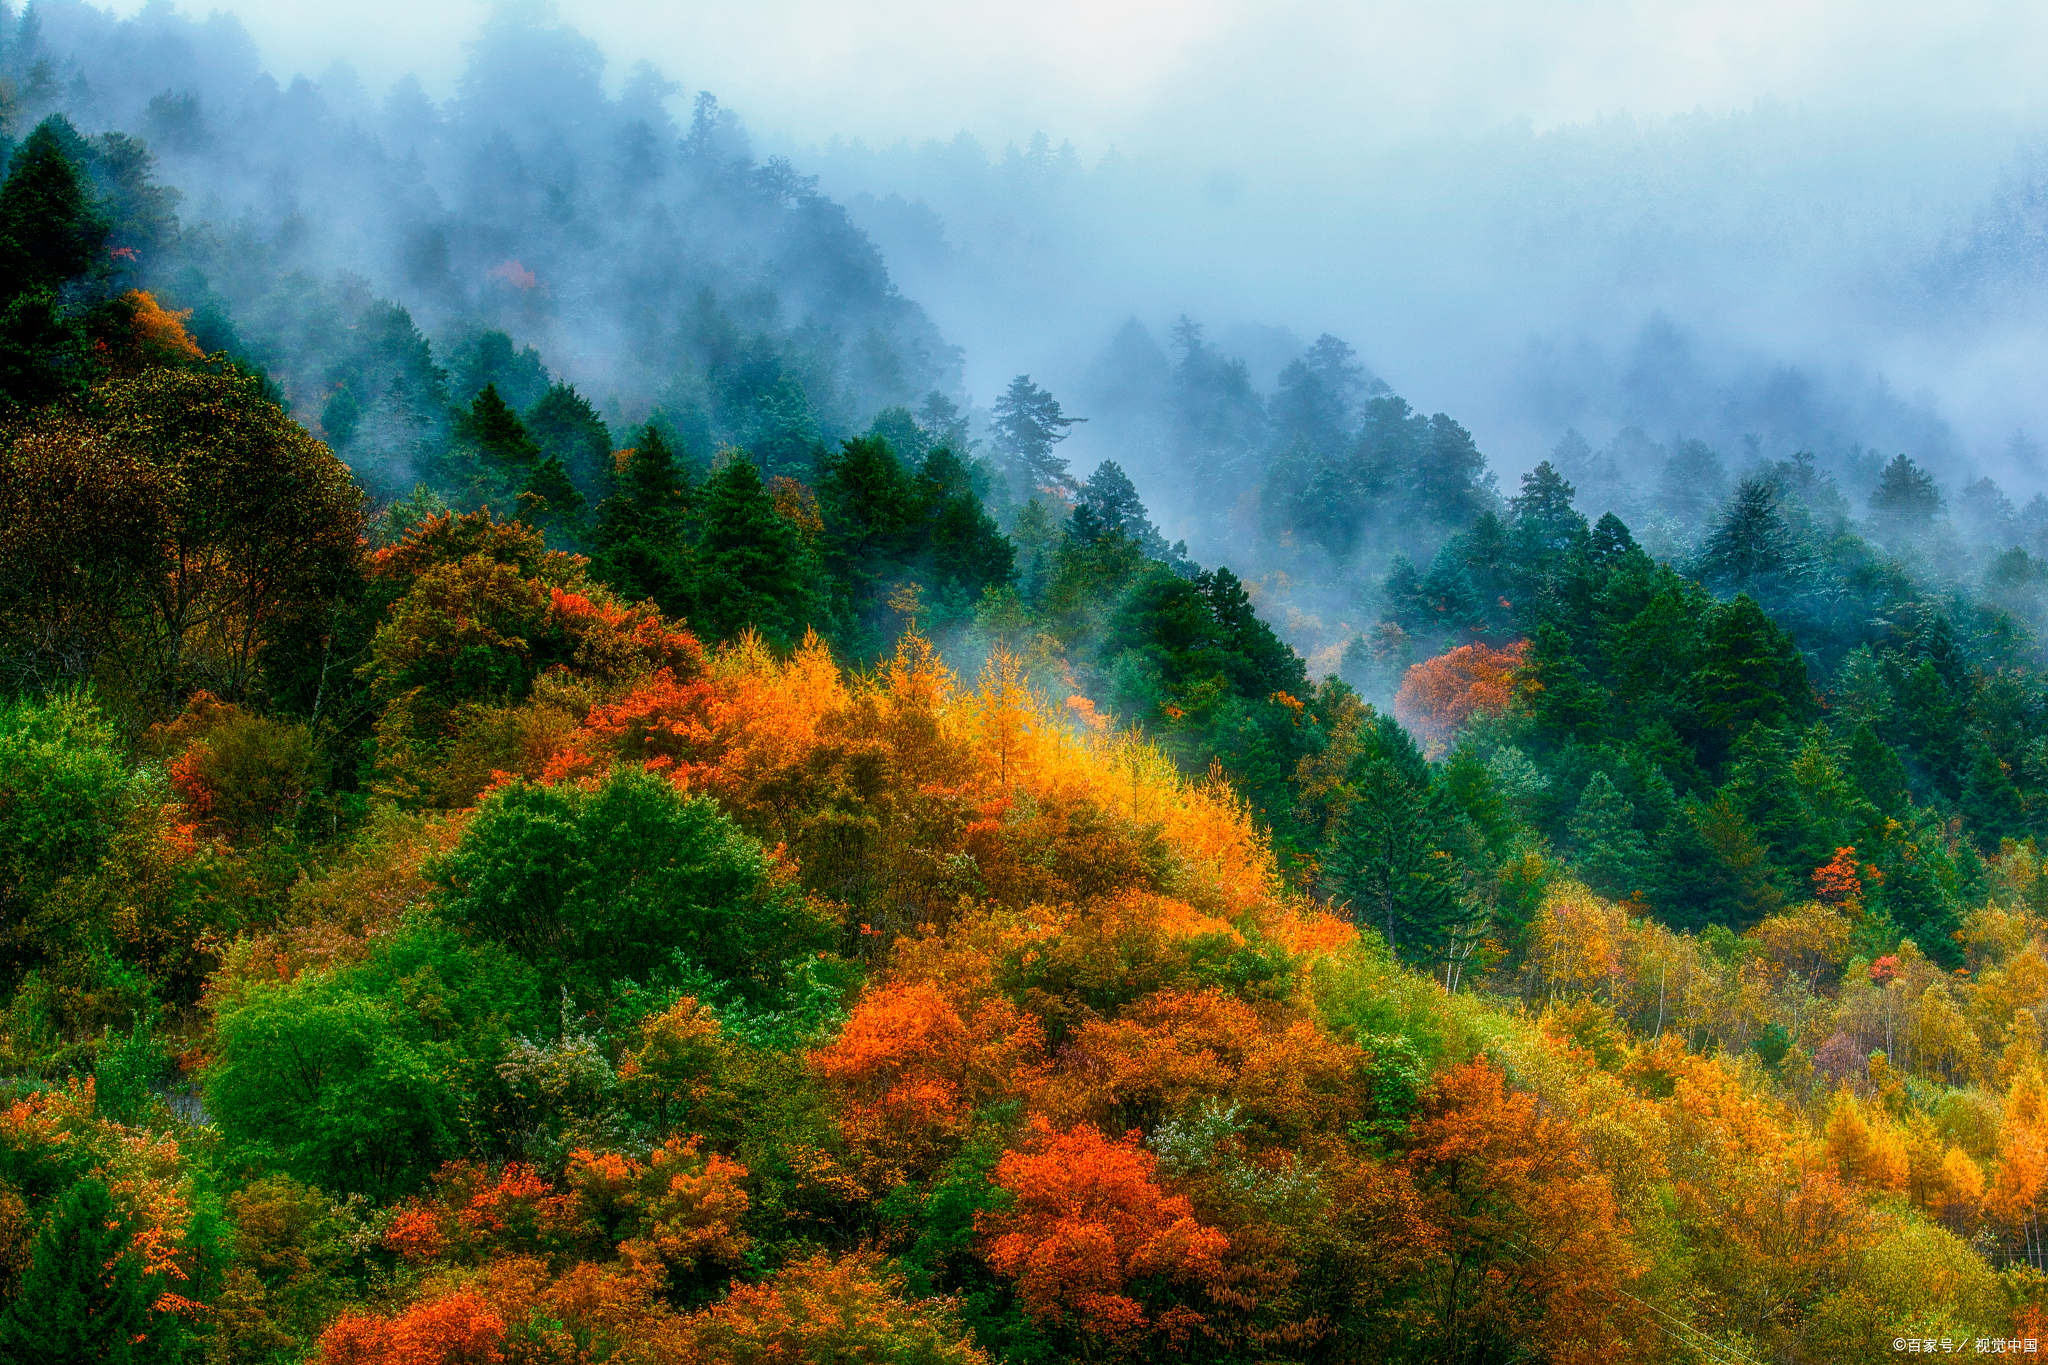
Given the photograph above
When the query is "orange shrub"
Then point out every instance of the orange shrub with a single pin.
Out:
(1292, 1081)
(1095, 1245)
(910, 1071)
(461, 1329)
(477, 1212)
(816, 1310)
(675, 1213)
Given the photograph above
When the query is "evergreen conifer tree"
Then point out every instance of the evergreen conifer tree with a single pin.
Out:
(1873, 767)
(50, 235)
(1261, 662)
(1992, 806)
(1111, 495)
(50, 231)
(1906, 497)
(1028, 424)
(1751, 548)
(1218, 419)
(638, 541)
(1693, 482)
(493, 460)
(1449, 597)
(1913, 896)
(1566, 703)
(1753, 674)
(945, 426)
(562, 424)
(85, 1299)
(1609, 542)
(1401, 594)
(754, 568)
(656, 489)
(1386, 860)
(1610, 850)
(1316, 394)
(1546, 523)
(1448, 480)
(551, 501)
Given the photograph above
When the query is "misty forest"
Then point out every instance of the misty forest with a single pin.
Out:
(626, 741)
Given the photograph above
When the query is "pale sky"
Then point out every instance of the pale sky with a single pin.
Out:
(1150, 76)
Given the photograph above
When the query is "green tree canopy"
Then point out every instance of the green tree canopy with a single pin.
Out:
(1028, 423)
(595, 886)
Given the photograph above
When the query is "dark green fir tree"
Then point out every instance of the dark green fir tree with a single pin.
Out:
(85, 1299)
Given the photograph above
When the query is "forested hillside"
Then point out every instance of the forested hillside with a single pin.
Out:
(783, 867)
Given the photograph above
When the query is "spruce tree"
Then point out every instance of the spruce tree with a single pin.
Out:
(42, 352)
(651, 499)
(1751, 549)
(1565, 703)
(1906, 497)
(1218, 421)
(50, 232)
(1111, 495)
(1401, 594)
(1037, 538)
(1873, 767)
(1449, 597)
(1447, 479)
(1546, 523)
(497, 431)
(1609, 542)
(550, 501)
(1693, 482)
(493, 457)
(564, 425)
(945, 425)
(1316, 395)
(1261, 663)
(638, 541)
(1913, 895)
(1753, 674)
(1992, 806)
(85, 1299)
(50, 236)
(1387, 860)
(1610, 850)
(659, 488)
(755, 569)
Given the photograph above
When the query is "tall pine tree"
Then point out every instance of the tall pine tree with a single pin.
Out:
(1028, 423)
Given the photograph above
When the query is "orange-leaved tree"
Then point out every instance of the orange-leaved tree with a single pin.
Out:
(680, 1213)
(157, 335)
(461, 1329)
(1099, 1251)
(1532, 1248)
(1439, 695)
(1839, 881)
(1290, 1080)
(910, 1070)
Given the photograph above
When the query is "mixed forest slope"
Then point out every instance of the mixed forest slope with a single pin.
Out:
(655, 892)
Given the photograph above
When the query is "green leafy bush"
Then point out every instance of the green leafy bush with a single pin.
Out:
(594, 886)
